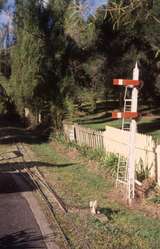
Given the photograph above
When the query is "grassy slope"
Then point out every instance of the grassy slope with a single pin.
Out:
(73, 178)
(77, 184)
(149, 123)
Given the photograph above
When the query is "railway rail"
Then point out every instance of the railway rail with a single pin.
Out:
(21, 155)
(45, 191)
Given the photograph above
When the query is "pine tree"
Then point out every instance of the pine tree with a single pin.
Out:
(27, 55)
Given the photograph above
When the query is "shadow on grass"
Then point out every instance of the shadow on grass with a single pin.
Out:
(21, 165)
(150, 109)
(106, 117)
(7, 175)
(109, 213)
(150, 126)
(101, 107)
(9, 135)
(24, 240)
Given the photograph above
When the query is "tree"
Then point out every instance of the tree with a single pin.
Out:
(61, 59)
(27, 55)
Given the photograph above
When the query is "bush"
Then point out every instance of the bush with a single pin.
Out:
(107, 161)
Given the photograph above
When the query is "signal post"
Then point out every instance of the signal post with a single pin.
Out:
(132, 114)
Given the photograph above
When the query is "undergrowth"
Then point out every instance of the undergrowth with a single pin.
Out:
(108, 161)
(77, 185)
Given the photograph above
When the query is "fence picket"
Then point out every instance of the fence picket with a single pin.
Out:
(116, 141)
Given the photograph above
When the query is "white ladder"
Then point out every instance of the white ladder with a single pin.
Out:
(122, 167)
(127, 108)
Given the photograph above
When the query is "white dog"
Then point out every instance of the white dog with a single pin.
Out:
(93, 207)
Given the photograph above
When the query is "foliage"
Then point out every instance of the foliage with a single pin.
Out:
(155, 199)
(129, 12)
(107, 161)
(143, 172)
(82, 32)
(62, 59)
(27, 56)
(122, 228)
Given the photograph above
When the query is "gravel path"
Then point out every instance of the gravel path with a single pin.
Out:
(22, 222)
(18, 227)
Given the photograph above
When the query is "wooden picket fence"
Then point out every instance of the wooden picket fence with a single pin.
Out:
(116, 141)
(89, 137)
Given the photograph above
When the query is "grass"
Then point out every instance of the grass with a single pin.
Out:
(101, 126)
(147, 124)
(107, 161)
(77, 184)
(132, 231)
(72, 177)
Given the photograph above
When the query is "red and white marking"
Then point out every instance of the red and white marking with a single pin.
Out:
(124, 115)
(126, 82)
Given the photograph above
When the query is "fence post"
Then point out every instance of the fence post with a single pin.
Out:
(132, 140)
(69, 130)
(158, 164)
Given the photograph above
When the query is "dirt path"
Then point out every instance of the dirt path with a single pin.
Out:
(19, 228)
(23, 224)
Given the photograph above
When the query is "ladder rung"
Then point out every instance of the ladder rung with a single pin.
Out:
(122, 177)
(126, 124)
(120, 181)
(123, 159)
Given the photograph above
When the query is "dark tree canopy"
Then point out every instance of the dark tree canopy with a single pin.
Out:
(61, 60)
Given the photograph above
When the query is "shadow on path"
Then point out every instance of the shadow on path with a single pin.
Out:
(23, 240)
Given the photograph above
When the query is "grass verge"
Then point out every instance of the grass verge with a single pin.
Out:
(77, 184)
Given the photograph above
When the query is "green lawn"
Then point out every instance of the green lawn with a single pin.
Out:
(149, 123)
(72, 177)
(146, 125)
(77, 184)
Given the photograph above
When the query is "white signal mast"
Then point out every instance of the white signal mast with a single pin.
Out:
(126, 166)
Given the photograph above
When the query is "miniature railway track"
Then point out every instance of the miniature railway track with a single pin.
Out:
(45, 191)
(43, 188)
(21, 155)
(38, 177)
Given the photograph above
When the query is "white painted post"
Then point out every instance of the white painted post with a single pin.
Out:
(133, 130)
(158, 164)
(135, 89)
